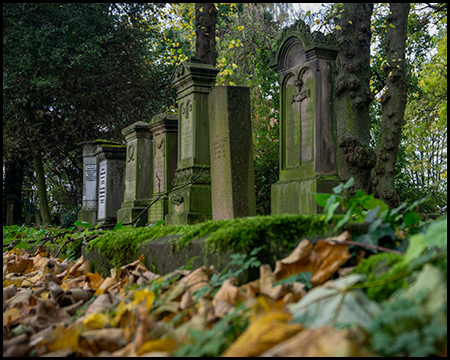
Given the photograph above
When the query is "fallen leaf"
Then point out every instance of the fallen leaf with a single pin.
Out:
(332, 304)
(265, 331)
(162, 345)
(323, 342)
(322, 261)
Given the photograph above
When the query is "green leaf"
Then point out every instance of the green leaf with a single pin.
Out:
(85, 224)
(372, 214)
(118, 226)
(333, 304)
(411, 219)
(436, 235)
(345, 219)
(322, 199)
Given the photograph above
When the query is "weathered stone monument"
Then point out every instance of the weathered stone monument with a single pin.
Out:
(164, 129)
(89, 206)
(305, 64)
(230, 133)
(138, 172)
(193, 82)
(111, 181)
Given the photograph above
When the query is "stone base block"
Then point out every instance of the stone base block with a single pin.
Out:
(158, 210)
(129, 214)
(298, 196)
(190, 205)
(87, 216)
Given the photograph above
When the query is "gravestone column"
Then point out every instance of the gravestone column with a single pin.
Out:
(305, 66)
(138, 172)
(111, 182)
(193, 82)
(88, 211)
(164, 129)
(230, 132)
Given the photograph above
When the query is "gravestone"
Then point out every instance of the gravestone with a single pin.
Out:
(88, 211)
(138, 172)
(230, 133)
(193, 82)
(164, 129)
(111, 182)
(305, 65)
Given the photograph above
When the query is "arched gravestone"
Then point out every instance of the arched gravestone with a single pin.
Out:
(305, 65)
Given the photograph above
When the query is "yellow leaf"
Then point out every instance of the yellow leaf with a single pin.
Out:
(337, 27)
(264, 332)
(165, 344)
(350, 22)
(96, 320)
(317, 21)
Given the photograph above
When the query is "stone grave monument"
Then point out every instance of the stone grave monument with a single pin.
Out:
(88, 211)
(305, 65)
(193, 81)
(138, 172)
(164, 129)
(230, 133)
(111, 181)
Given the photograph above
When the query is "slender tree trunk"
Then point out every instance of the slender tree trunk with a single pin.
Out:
(14, 171)
(205, 30)
(42, 190)
(393, 104)
(353, 96)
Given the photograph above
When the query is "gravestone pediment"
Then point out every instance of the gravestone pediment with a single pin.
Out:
(296, 42)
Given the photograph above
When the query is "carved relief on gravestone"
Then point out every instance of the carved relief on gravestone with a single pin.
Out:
(158, 163)
(102, 190)
(186, 129)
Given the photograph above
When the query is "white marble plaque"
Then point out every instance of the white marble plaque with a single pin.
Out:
(102, 190)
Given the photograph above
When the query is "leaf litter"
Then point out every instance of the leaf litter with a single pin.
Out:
(53, 307)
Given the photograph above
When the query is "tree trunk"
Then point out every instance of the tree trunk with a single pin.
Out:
(42, 190)
(205, 30)
(353, 96)
(393, 105)
(14, 171)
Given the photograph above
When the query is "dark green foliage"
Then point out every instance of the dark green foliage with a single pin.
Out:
(69, 217)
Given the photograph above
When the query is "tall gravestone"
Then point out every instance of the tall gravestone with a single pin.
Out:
(230, 133)
(193, 81)
(164, 129)
(111, 182)
(305, 65)
(89, 206)
(138, 172)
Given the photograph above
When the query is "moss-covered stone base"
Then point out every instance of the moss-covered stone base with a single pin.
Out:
(166, 248)
(298, 196)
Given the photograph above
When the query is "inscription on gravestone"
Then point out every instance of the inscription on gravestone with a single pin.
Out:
(102, 190)
(186, 129)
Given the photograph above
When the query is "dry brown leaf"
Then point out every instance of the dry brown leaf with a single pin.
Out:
(321, 342)
(266, 281)
(109, 339)
(20, 265)
(323, 261)
(196, 280)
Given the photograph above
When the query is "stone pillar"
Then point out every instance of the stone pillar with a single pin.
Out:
(88, 211)
(164, 129)
(305, 65)
(111, 181)
(230, 133)
(193, 82)
(138, 172)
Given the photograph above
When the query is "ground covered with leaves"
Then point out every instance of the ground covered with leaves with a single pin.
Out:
(311, 304)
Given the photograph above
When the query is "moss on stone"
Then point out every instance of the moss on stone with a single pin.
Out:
(276, 232)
